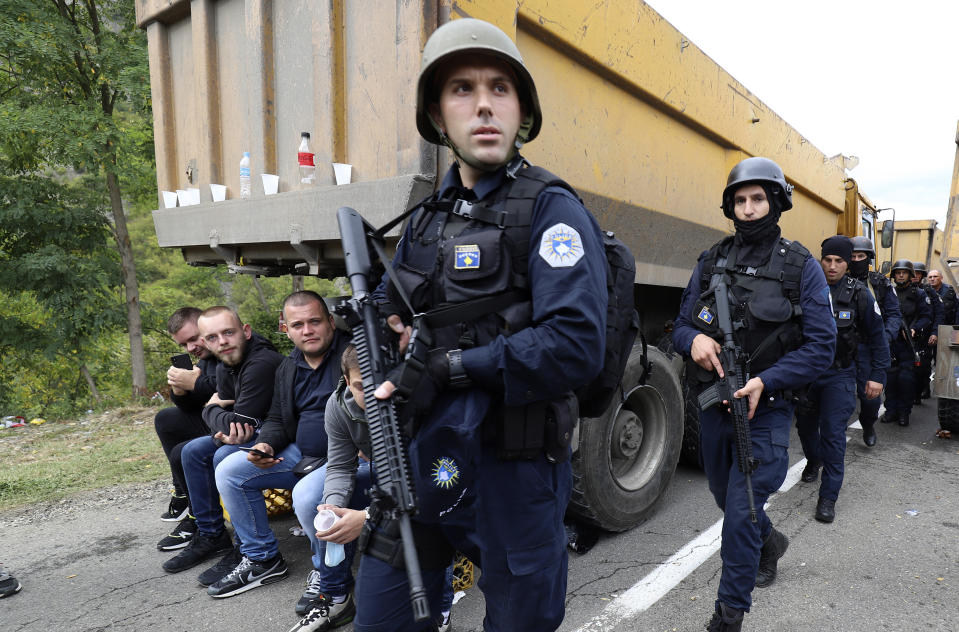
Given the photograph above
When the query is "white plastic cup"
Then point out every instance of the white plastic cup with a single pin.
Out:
(343, 172)
(169, 199)
(183, 196)
(325, 520)
(194, 195)
(271, 183)
(218, 191)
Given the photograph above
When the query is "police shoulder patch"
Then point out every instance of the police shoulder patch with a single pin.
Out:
(561, 246)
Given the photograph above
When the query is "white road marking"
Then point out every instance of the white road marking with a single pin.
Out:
(667, 575)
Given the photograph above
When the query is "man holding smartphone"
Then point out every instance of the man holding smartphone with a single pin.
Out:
(294, 442)
(232, 415)
(190, 389)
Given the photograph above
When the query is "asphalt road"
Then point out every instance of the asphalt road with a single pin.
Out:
(889, 562)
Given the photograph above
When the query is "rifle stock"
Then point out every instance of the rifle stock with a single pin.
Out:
(377, 350)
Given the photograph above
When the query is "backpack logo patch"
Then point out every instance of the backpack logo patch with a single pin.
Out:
(561, 246)
(467, 257)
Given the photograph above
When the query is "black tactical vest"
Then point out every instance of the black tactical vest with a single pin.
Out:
(909, 298)
(949, 303)
(880, 285)
(764, 302)
(848, 305)
(472, 249)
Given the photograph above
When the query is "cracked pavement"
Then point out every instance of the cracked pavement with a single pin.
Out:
(90, 563)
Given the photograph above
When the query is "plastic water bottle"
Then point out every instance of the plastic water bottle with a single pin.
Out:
(245, 189)
(305, 157)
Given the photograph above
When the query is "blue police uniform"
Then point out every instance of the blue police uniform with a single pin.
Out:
(927, 351)
(831, 400)
(769, 429)
(916, 309)
(949, 303)
(512, 517)
(892, 321)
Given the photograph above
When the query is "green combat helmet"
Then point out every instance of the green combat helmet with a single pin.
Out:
(468, 35)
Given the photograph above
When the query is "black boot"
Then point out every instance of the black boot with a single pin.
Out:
(774, 547)
(811, 472)
(889, 418)
(869, 435)
(825, 510)
(904, 420)
(725, 619)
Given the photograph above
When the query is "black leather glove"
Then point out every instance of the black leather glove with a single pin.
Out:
(419, 380)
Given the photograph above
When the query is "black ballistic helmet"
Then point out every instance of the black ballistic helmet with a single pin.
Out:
(901, 264)
(863, 244)
(758, 170)
(920, 267)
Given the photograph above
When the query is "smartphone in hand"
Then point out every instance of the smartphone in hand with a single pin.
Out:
(259, 453)
(182, 361)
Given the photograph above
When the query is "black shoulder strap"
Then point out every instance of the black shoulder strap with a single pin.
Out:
(796, 255)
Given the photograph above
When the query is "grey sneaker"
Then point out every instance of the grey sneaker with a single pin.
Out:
(326, 615)
(247, 575)
(311, 595)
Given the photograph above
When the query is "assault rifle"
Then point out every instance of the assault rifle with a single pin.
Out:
(378, 351)
(731, 359)
(916, 361)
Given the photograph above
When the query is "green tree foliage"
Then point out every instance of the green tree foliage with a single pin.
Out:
(74, 93)
(59, 276)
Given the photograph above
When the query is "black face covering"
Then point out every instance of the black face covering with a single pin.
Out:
(858, 269)
(755, 239)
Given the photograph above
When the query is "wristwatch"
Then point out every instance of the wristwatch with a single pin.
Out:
(367, 512)
(458, 376)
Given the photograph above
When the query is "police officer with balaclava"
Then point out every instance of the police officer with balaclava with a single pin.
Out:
(916, 310)
(779, 303)
(496, 227)
(885, 295)
(826, 407)
(929, 337)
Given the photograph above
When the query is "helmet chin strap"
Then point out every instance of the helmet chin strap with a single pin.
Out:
(521, 135)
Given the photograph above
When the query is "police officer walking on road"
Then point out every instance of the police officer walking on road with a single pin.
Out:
(883, 291)
(928, 339)
(916, 310)
(495, 227)
(824, 411)
(779, 303)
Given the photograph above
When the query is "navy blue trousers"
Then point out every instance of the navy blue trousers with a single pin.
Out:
(742, 539)
(868, 408)
(900, 380)
(822, 425)
(515, 528)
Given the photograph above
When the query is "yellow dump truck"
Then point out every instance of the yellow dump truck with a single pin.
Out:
(637, 118)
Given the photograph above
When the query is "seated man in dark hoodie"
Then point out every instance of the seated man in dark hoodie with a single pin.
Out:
(295, 437)
(179, 424)
(233, 414)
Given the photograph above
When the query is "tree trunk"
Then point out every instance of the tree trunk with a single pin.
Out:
(134, 325)
(260, 294)
(93, 385)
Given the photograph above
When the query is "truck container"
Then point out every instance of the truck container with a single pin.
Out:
(636, 117)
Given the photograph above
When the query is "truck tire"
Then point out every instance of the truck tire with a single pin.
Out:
(690, 454)
(626, 457)
(949, 415)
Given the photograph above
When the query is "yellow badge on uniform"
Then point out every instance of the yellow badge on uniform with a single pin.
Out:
(467, 257)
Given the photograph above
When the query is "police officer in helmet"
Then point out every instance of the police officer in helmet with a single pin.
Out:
(917, 314)
(929, 337)
(778, 294)
(823, 412)
(478, 237)
(884, 293)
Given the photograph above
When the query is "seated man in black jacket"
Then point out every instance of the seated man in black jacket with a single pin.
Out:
(176, 425)
(244, 390)
(295, 437)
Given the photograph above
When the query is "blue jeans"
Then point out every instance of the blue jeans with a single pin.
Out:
(742, 538)
(822, 428)
(308, 493)
(200, 457)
